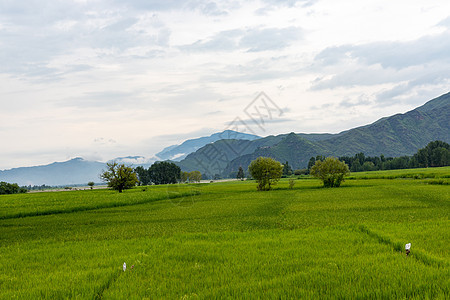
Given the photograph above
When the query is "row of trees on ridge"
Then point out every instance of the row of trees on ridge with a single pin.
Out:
(435, 154)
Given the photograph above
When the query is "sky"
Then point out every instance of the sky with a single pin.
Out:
(104, 78)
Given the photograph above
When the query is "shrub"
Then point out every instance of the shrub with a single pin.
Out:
(331, 171)
(301, 172)
(291, 183)
(266, 171)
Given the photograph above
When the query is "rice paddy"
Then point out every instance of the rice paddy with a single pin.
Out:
(226, 240)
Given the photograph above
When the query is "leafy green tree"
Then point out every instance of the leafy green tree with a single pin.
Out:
(11, 188)
(287, 170)
(368, 166)
(435, 154)
(311, 162)
(91, 184)
(164, 172)
(356, 166)
(184, 176)
(266, 171)
(143, 175)
(119, 177)
(301, 172)
(195, 176)
(331, 171)
(240, 173)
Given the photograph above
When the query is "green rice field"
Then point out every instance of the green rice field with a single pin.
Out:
(227, 240)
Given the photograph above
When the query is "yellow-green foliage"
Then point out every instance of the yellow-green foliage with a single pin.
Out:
(226, 240)
(266, 171)
(331, 171)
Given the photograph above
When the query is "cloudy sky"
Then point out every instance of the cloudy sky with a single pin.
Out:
(106, 78)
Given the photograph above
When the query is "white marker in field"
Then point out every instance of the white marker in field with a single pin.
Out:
(124, 266)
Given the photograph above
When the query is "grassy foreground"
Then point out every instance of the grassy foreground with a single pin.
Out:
(226, 240)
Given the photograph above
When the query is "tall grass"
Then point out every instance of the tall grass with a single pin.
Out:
(226, 240)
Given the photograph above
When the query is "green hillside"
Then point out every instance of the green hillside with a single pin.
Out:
(401, 134)
(287, 149)
(213, 158)
(398, 135)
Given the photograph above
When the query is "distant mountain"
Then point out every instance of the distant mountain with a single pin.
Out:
(71, 172)
(222, 153)
(401, 134)
(179, 152)
(80, 171)
(74, 171)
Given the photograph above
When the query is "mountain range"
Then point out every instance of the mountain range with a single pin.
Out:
(224, 152)
(74, 171)
(179, 152)
(397, 135)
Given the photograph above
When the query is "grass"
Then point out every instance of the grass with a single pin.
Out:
(419, 173)
(226, 240)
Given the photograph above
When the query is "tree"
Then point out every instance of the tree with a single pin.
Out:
(331, 171)
(184, 176)
(266, 171)
(11, 188)
(311, 162)
(435, 154)
(368, 166)
(240, 174)
(287, 170)
(143, 175)
(119, 177)
(195, 176)
(91, 184)
(164, 172)
(301, 172)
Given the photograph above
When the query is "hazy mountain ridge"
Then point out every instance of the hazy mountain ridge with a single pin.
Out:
(179, 152)
(397, 135)
(81, 171)
(74, 171)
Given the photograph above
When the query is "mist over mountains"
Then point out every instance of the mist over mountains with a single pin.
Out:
(179, 152)
(222, 153)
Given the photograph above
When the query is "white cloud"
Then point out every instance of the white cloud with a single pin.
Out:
(142, 73)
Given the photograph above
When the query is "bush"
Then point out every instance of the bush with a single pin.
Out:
(291, 183)
(331, 171)
(301, 172)
(266, 171)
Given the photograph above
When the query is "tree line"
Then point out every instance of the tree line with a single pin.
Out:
(435, 154)
(331, 171)
(120, 177)
(165, 172)
(267, 171)
(11, 188)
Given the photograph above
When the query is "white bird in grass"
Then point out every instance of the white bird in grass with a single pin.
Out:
(124, 266)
